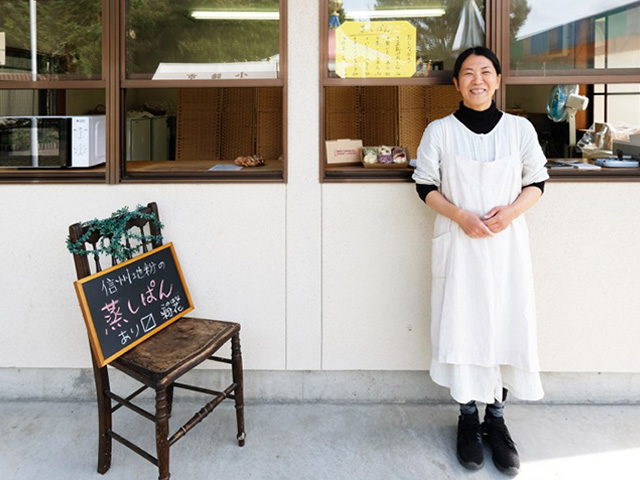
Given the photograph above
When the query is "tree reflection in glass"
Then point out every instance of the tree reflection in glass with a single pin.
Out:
(166, 31)
(68, 39)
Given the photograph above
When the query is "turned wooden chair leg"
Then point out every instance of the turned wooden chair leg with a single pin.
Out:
(101, 377)
(236, 365)
(162, 434)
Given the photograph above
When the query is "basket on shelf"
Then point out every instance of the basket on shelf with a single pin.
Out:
(224, 123)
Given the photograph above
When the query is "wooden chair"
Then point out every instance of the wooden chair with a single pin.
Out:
(158, 363)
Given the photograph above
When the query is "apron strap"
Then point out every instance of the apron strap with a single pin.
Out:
(514, 137)
(448, 145)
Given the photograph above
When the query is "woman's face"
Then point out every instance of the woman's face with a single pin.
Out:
(477, 82)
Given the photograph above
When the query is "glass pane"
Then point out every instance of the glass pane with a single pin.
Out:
(400, 38)
(202, 39)
(52, 128)
(552, 35)
(530, 101)
(598, 108)
(211, 131)
(624, 88)
(68, 40)
(623, 109)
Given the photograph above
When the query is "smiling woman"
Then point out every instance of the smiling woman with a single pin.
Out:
(477, 77)
(480, 169)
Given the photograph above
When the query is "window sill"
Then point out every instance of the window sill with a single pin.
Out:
(173, 171)
(52, 175)
(357, 173)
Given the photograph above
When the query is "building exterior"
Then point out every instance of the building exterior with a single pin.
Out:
(327, 270)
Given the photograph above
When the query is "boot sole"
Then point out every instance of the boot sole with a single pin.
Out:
(469, 465)
(513, 471)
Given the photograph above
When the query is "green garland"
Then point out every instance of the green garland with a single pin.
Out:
(115, 230)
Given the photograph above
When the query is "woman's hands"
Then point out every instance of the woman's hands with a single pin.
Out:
(494, 221)
(472, 225)
(499, 218)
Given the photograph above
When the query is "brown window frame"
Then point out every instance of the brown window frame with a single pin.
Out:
(496, 38)
(114, 83)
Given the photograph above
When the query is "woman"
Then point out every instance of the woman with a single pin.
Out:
(480, 169)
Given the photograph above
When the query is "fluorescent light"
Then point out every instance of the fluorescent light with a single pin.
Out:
(238, 15)
(407, 13)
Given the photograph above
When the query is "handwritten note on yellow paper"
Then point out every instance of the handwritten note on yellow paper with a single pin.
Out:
(376, 49)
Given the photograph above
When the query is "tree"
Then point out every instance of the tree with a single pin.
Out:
(519, 12)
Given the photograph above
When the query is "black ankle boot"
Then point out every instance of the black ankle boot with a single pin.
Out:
(505, 455)
(469, 443)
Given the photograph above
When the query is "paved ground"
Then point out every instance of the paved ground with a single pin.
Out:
(58, 441)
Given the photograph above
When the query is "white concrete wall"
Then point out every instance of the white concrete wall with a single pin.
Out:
(323, 277)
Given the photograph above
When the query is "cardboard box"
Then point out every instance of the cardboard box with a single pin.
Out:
(343, 151)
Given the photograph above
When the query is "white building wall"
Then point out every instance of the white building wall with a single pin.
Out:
(323, 276)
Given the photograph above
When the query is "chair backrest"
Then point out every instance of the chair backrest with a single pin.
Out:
(146, 228)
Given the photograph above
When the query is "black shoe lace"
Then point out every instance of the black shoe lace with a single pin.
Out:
(469, 433)
(500, 433)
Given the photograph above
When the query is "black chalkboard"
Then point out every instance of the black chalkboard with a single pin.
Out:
(127, 303)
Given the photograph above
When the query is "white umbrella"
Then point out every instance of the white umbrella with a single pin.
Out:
(470, 32)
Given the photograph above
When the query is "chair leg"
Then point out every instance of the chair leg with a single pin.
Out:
(101, 377)
(162, 433)
(236, 365)
(169, 400)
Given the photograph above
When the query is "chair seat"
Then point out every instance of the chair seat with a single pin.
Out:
(162, 358)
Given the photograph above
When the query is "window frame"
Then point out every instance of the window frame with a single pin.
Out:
(497, 38)
(114, 83)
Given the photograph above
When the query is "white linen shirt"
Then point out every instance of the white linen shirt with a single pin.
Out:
(482, 147)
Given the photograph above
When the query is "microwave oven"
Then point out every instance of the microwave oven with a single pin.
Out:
(52, 141)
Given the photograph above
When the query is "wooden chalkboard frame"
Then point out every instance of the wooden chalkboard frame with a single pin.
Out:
(91, 315)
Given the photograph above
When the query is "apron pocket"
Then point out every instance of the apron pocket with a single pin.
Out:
(440, 247)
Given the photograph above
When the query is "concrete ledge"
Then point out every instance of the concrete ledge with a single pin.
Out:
(320, 386)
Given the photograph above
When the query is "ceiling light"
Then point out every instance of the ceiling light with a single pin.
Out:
(237, 15)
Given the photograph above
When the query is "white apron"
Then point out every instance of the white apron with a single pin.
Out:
(483, 323)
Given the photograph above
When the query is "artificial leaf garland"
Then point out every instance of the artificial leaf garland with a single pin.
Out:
(114, 228)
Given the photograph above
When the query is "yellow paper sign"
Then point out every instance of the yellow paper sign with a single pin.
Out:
(376, 49)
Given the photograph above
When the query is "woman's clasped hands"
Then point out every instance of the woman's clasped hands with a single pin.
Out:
(494, 221)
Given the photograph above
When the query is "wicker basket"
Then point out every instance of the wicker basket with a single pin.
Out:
(269, 123)
(198, 124)
(412, 116)
(442, 100)
(225, 123)
(238, 129)
(379, 120)
(343, 113)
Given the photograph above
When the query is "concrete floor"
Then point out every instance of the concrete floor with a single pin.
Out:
(58, 441)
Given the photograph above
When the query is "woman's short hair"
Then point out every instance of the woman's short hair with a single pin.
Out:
(482, 51)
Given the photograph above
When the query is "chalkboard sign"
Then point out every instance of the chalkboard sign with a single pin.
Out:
(127, 303)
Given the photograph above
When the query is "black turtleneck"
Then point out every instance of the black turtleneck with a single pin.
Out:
(478, 122)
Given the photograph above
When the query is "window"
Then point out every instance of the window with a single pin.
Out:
(177, 90)
(594, 46)
(379, 91)
(388, 73)
(593, 35)
(51, 67)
